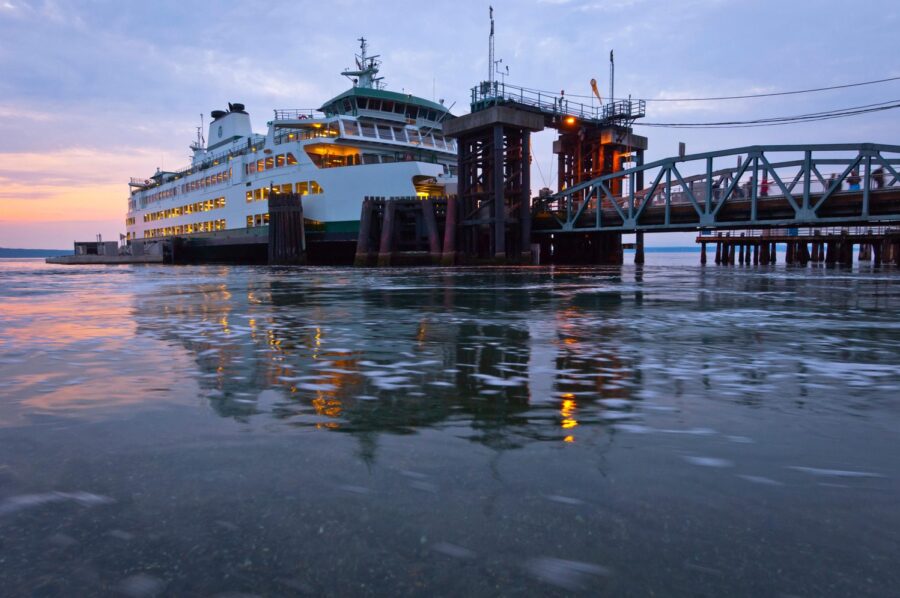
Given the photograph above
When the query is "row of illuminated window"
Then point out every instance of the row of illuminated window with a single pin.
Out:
(186, 229)
(386, 132)
(304, 188)
(410, 111)
(257, 220)
(160, 195)
(323, 158)
(270, 162)
(191, 208)
(207, 181)
(380, 131)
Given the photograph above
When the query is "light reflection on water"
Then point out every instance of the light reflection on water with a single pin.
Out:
(669, 429)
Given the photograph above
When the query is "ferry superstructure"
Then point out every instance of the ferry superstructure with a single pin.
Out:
(367, 141)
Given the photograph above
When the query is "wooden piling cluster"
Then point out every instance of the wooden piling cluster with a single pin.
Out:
(287, 234)
(829, 248)
(740, 249)
(406, 231)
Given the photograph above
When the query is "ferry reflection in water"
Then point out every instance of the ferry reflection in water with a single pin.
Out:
(395, 358)
(669, 430)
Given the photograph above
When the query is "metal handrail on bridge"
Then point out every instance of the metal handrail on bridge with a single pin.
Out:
(758, 190)
(497, 93)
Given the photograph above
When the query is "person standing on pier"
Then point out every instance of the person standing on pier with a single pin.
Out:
(764, 186)
(878, 177)
(853, 180)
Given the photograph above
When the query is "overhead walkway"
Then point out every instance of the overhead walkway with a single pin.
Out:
(746, 187)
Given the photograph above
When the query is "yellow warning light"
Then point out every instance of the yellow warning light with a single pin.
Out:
(570, 120)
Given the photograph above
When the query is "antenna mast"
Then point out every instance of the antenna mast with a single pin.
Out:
(612, 77)
(491, 50)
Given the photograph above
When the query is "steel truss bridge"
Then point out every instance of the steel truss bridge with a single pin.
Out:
(763, 187)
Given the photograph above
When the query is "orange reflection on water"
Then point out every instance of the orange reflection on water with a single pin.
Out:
(567, 410)
(42, 322)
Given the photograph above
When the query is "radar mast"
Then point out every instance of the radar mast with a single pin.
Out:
(366, 69)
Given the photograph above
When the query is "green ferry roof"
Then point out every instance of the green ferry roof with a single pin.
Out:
(383, 94)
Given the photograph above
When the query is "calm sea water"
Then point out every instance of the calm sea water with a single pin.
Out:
(665, 430)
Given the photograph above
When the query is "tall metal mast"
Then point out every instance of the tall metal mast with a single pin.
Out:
(491, 50)
(612, 77)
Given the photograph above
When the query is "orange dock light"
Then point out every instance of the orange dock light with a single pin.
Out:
(570, 120)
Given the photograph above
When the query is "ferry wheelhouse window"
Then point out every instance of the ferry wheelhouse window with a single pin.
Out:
(384, 132)
(350, 128)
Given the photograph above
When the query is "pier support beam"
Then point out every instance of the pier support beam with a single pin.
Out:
(448, 256)
(431, 229)
(287, 235)
(639, 247)
(386, 244)
(363, 241)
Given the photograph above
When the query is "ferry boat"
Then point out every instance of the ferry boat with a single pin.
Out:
(367, 141)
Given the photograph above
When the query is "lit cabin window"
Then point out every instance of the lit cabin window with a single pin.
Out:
(286, 188)
(350, 128)
(270, 163)
(291, 160)
(249, 196)
(302, 188)
(314, 188)
(279, 160)
(260, 165)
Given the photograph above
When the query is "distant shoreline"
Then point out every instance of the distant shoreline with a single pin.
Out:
(10, 252)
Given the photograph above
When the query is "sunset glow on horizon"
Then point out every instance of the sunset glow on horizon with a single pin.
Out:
(92, 94)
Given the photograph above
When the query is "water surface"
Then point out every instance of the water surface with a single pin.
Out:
(669, 430)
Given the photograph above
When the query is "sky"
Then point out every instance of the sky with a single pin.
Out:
(95, 92)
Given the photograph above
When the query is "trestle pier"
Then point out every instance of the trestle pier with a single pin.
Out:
(834, 246)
